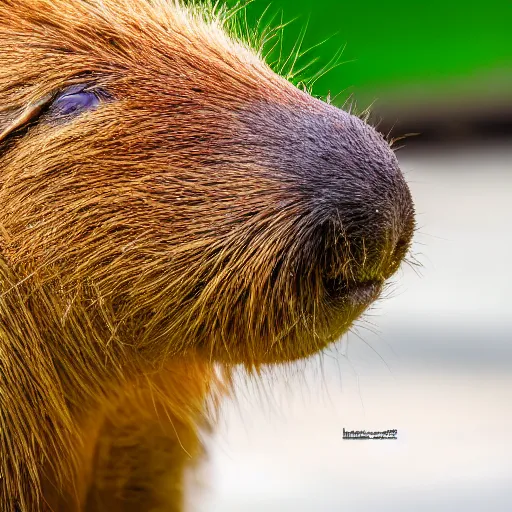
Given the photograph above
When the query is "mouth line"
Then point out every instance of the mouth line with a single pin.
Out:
(354, 294)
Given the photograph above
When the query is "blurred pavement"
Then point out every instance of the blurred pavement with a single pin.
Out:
(433, 359)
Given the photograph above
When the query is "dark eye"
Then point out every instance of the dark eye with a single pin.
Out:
(74, 102)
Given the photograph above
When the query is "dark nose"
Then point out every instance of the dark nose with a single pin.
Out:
(350, 199)
(365, 204)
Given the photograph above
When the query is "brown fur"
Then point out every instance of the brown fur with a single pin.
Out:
(147, 240)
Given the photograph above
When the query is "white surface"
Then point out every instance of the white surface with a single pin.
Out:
(434, 361)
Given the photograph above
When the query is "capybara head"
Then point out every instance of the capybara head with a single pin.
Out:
(158, 174)
(168, 203)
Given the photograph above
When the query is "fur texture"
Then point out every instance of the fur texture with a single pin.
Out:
(205, 212)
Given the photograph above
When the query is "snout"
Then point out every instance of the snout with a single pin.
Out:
(365, 207)
(351, 201)
(328, 220)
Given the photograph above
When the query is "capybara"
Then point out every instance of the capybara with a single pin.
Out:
(171, 208)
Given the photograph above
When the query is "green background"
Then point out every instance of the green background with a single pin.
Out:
(402, 50)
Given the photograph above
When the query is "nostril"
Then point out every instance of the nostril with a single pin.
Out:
(400, 249)
(362, 248)
(396, 257)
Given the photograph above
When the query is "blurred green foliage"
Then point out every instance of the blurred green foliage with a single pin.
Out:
(401, 47)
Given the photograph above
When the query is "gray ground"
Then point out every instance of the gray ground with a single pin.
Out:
(434, 361)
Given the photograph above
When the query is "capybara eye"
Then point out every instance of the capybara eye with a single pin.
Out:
(73, 102)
